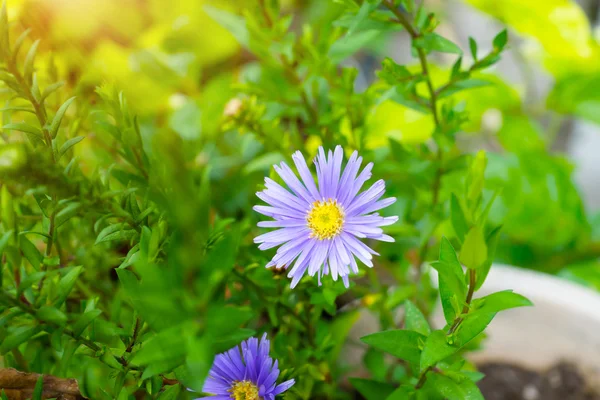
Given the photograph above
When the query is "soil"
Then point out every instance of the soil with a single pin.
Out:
(509, 382)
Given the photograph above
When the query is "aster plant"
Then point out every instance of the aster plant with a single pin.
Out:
(131, 262)
(245, 372)
(320, 225)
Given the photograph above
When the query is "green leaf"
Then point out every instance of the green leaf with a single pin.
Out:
(346, 46)
(4, 241)
(233, 23)
(451, 390)
(499, 301)
(23, 127)
(365, 10)
(222, 320)
(19, 42)
(400, 294)
(372, 390)
(457, 216)
(31, 252)
(66, 213)
(400, 343)
(52, 314)
(51, 89)
(436, 349)
(374, 361)
(170, 393)
(415, 320)
(463, 85)
(452, 284)
(28, 64)
(4, 396)
(500, 40)
(65, 285)
(434, 42)
(56, 121)
(68, 144)
(166, 345)
(37, 390)
(473, 48)
(115, 232)
(474, 250)
(470, 328)
(4, 43)
(160, 367)
(18, 336)
(198, 359)
(23, 109)
(402, 393)
(226, 342)
(27, 281)
(263, 162)
(84, 320)
(492, 243)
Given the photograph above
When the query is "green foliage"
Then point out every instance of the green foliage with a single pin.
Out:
(126, 219)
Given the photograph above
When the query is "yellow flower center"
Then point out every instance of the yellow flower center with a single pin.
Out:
(244, 390)
(325, 219)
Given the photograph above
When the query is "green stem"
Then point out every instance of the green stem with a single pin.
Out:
(465, 310)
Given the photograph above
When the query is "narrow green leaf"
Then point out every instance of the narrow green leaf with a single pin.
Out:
(365, 10)
(4, 241)
(18, 336)
(4, 43)
(500, 40)
(4, 396)
(491, 242)
(67, 213)
(473, 48)
(372, 390)
(434, 42)
(27, 281)
(37, 390)
(457, 216)
(115, 232)
(235, 24)
(415, 320)
(400, 343)
(68, 144)
(31, 252)
(24, 127)
(59, 117)
(19, 43)
(51, 89)
(28, 64)
(84, 320)
(24, 109)
(346, 46)
(474, 250)
(65, 285)
(52, 314)
(463, 85)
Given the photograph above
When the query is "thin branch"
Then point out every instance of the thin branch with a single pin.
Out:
(17, 383)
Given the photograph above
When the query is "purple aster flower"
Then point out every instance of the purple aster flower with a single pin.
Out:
(249, 375)
(320, 228)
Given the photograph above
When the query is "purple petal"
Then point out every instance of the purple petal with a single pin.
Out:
(305, 174)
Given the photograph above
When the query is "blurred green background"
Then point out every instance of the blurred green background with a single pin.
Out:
(179, 68)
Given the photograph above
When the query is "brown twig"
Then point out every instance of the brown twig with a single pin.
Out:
(20, 385)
